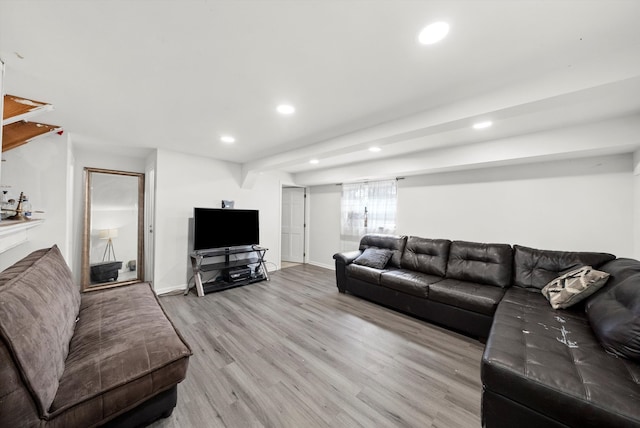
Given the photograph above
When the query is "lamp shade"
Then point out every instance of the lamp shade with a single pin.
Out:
(108, 233)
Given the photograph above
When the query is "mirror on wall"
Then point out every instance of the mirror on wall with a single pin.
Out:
(112, 252)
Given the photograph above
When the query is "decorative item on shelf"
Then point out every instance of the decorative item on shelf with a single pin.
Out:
(19, 211)
(16, 211)
(26, 207)
(108, 250)
(9, 208)
(4, 204)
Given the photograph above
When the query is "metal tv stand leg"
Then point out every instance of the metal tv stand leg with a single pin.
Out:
(196, 261)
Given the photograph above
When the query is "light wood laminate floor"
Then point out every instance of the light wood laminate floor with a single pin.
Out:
(293, 352)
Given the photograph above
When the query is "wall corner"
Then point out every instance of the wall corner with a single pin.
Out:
(636, 204)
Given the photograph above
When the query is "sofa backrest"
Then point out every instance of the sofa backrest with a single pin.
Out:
(481, 263)
(424, 255)
(39, 303)
(391, 242)
(613, 310)
(535, 268)
(619, 269)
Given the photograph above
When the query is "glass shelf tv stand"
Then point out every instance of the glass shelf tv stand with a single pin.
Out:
(229, 267)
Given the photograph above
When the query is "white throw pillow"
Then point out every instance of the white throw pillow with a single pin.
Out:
(574, 286)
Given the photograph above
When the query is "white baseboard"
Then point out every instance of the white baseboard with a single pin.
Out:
(322, 265)
(169, 289)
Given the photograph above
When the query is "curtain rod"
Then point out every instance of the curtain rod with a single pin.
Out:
(369, 181)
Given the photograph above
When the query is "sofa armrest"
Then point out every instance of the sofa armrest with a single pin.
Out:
(348, 257)
(342, 260)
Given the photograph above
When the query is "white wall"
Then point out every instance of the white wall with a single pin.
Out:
(636, 205)
(577, 205)
(40, 169)
(184, 182)
(324, 224)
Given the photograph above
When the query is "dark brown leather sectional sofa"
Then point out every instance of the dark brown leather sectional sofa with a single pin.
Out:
(575, 367)
(106, 358)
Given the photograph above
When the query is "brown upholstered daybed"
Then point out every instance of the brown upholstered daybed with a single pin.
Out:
(109, 357)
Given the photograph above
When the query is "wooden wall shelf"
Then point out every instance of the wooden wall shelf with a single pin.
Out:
(19, 133)
(16, 131)
(18, 108)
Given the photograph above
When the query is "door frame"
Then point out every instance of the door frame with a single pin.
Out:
(149, 222)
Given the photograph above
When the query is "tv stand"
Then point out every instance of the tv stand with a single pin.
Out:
(233, 273)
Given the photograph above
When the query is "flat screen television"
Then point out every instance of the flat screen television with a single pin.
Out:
(224, 228)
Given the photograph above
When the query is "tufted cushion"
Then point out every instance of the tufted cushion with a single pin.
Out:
(471, 296)
(536, 268)
(615, 317)
(428, 256)
(374, 257)
(481, 263)
(364, 273)
(407, 281)
(38, 310)
(391, 242)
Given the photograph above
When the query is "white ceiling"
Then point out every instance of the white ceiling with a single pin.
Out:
(179, 74)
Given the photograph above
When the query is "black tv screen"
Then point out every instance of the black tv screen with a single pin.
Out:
(224, 228)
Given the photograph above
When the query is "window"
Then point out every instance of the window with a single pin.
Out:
(368, 208)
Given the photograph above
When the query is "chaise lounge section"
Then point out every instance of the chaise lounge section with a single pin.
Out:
(572, 367)
(106, 358)
(548, 367)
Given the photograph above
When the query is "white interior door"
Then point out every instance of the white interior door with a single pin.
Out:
(293, 224)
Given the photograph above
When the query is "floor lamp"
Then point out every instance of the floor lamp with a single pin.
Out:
(108, 251)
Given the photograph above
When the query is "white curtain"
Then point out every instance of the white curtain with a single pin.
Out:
(367, 208)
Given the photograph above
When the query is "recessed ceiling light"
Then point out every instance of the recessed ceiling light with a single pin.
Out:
(227, 139)
(314, 161)
(433, 33)
(286, 109)
(482, 125)
(374, 149)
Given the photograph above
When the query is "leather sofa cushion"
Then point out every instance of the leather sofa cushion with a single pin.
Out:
(481, 263)
(472, 296)
(549, 361)
(530, 297)
(614, 315)
(428, 256)
(116, 362)
(394, 243)
(38, 310)
(536, 268)
(364, 273)
(407, 281)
